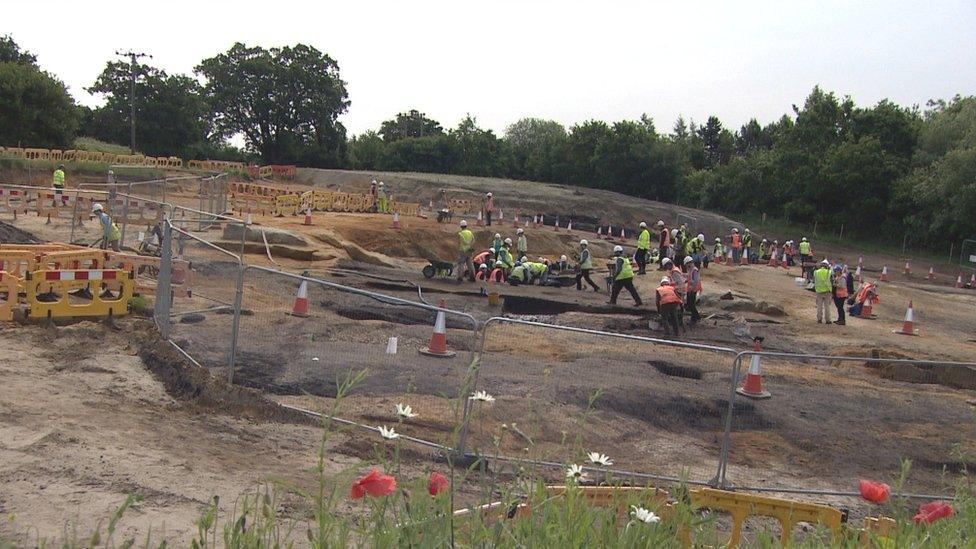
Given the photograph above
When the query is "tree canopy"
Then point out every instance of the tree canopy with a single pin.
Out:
(36, 109)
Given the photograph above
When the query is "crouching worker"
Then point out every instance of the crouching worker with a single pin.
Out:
(667, 302)
(498, 274)
(538, 271)
(110, 231)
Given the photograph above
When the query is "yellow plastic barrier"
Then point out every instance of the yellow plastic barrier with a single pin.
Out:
(877, 529)
(617, 496)
(9, 290)
(287, 204)
(18, 262)
(13, 200)
(406, 208)
(55, 300)
(787, 512)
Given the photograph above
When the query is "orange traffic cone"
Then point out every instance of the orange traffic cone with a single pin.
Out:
(623, 235)
(308, 217)
(783, 262)
(396, 220)
(515, 222)
(772, 261)
(569, 226)
(542, 219)
(860, 261)
(555, 227)
(481, 222)
(908, 327)
(958, 279)
(866, 309)
(599, 232)
(247, 220)
(438, 340)
(972, 281)
(931, 275)
(609, 232)
(501, 217)
(752, 387)
(908, 268)
(857, 274)
(728, 259)
(300, 309)
(884, 274)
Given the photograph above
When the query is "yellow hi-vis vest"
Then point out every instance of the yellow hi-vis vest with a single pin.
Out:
(624, 271)
(465, 239)
(821, 280)
(804, 248)
(58, 181)
(644, 240)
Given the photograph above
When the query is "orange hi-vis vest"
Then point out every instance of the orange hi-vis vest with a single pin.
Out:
(736, 241)
(694, 287)
(841, 290)
(668, 295)
(667, 237)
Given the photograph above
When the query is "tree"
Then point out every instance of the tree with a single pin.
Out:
(10, 52)
(538, 149)
(409, 124)
(284, 101)
(172, 117)
(479, 152)
(35, 108)
(366, 151)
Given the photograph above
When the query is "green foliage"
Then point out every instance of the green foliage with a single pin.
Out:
(284, 101)
(10, 52)
(171, 114)
(35, 108)
(92, 144)
(409, 124)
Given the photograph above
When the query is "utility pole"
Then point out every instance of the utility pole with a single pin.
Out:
(133, 59)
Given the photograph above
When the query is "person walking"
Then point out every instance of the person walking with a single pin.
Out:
(694, 287)
(489, 208)
(806, 252)
(465, 251)
(522, 246)
(57, 181)
(623, 277)
(585, 266)
(643, 248)
(839, 283)
(823, 288)
(667, 302)
(110, 231)
(664, 241)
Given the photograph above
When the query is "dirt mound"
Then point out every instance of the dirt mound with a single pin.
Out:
(12, 235)
(960, 377)
(761, 307)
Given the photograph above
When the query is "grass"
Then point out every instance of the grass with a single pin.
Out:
(282, 514)
(92, 144)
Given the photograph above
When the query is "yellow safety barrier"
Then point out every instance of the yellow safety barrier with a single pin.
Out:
(144, 270)
(618, 497)
(10, 287)
(406, 208)
(18, 262)
(56, 301)
(787, 512)
(14, 200)
(287, 204)
(877, 529)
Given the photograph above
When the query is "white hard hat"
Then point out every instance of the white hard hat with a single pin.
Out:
(660, 223)
(618, 249)
(688, 259)
(464, 223)
(508, 241)
(734, 230)
(674, 232)
(541, 259)
(381, 183)
(499, 263)
(764, 240)
(666, 281)
(825, 262)
(718, 240)
(96, 207)
(747, 230)
(520, 231)
(701, 237)
(665, 261)
(563, 258)
(487, 194)
(584, 242)
(497, 235)
(643, 225)
(804, 239)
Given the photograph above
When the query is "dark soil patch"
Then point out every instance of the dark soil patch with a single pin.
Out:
(406, 315)
(524, 305)
(676, 370)
(192, 318)
(12, 235)
(373, 449)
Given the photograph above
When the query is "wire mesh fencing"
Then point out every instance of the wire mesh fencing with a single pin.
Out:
(560, 393)
(301, 339)
(833, 421)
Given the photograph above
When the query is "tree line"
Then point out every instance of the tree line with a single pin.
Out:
(882, 171)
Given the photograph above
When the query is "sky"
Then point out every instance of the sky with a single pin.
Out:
(569, 61)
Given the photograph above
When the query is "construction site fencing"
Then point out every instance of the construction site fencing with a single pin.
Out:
(302, 335)
(781, 445)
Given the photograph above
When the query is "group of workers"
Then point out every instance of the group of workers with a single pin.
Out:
(382, 197)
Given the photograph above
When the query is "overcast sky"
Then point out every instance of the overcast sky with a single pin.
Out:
(570, 60)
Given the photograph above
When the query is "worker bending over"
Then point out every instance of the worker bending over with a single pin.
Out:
(110, 231)
(623, 277)
(668, 303)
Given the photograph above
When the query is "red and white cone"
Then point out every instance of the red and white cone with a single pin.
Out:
(300, 309)
(569, 226)
(783, 262)
(959, 281)
(501, 217)
(728, 258)
(481, 222)
(438, 340)
(515, 221)
(908, 327)
(772, 261)
(884, 274)
(308, 217)
(396, 221)
(857, 274)
(908, 268)
(247, 220)
(599, 232)
(555, 227)
(542, 219)
(860, 261)
(623, 235)
(972, 282)
(866, 307)
(752, 387)
(931, 275)
(609, 232)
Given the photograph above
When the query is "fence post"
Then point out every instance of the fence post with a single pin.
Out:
(238, 298)
(164, 295)
(125, 215)
(74, 215)
(720, 481)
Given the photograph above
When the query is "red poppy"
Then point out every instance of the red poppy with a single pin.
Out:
(875, 492)
(437, 483)
(931, 512)
(375, 484)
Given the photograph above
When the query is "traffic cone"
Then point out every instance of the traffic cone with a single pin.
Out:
(744, 259)
(300, 309)
(396, 220)
(515, 221)
(501, 217)
(931, 275)
(783, 262)
(972, 281)
(860, 261)
(308, 217)
(481, 222)
(752, 387)
(884, 274)
(569, 227)
(857, 274)
(866, 309)
(599, 232)
(247, 220)
(728, 258)
(908, 268)
(609, 232)
(555, 227)
(438, 340)
(542, 220)
(772, 261)
(48, 219)
(623, 235)
(958, 279)
(908, 327)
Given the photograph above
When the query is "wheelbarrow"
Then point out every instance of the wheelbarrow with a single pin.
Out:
(438, 268)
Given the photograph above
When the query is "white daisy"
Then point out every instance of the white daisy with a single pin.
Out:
(404, 411)
(644, 515)
(599, 459)
(388, 433)
(575, 472)
(482, 396)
